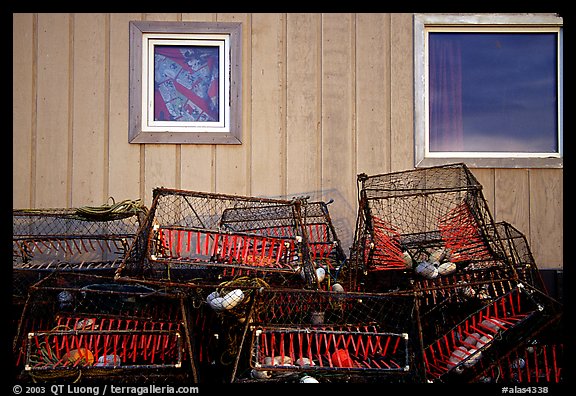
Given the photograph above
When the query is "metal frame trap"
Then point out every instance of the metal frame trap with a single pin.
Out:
(194, 238)
(85, 239)
(335, 336)
(78, 324)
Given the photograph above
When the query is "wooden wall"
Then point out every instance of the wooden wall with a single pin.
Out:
(325, 97)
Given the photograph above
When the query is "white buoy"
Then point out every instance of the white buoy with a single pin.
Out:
(474, 357)
(446, 268)
(320, 274)
(232, 299)
(407, 259)
(308, 380)
(260, 374)
(217, 303)
(304, 361)
(427, 270)
(212, 296)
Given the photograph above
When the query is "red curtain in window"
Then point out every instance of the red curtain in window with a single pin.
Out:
(445, 68)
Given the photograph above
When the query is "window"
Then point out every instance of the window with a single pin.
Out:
(488, 90)
(185, 82)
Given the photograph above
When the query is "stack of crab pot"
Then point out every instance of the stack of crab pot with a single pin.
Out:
(221, 250)
(430, 231)
(74, 319)
(220, 288)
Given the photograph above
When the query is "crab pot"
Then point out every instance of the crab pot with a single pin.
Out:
(66, 239)
(532, 364)
(329, 350)
(196, 237)
(309, 308)
(518, 251)
(75, 322)
(324, 245)
(316, 325)
(488, 335)
(402, 213)
(540, 357)
(132, 348)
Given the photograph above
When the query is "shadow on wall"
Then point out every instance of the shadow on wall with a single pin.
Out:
(342, 213)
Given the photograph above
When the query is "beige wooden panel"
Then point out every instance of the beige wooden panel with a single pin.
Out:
(232, 161)
(338, 140)
(123, 158)
(372, 93)
(486, 178)
(401, 92)
(198, 17)
(303, 104)
(268, 140)
(159, 168)
(89, 127)
(23, 126)
(198, 167)
(53, 112)
(546, 217)
(512, 198)
(160, 165)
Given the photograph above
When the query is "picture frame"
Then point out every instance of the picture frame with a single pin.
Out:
(185, 82)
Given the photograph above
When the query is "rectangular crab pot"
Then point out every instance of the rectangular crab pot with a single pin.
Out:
(487, 335)
(402, 215)
(531, 364)
(71, 239)
(518, 251)
(72, 320)
(130, 349)
(317, 321)
(195, 237)
(538, 358)
(329, 350)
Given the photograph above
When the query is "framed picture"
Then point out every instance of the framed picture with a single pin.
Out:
(185, 82)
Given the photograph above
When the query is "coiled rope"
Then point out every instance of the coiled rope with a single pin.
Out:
(114, 211)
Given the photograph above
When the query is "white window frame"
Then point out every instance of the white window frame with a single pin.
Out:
(222, 42)
(425, 23)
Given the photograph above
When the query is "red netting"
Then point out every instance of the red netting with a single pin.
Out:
(384, 252)
(329, 349)
(459, 230)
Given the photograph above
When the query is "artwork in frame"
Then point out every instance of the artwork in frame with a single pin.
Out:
(185, 82)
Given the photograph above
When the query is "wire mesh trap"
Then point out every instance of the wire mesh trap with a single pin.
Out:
(206, 238)
(519, 254)
(362, 350)
(487, 335)
(82, 324)
(87, 239)
(330, 335)
(532, 364)
(428, 221)
(537, 358)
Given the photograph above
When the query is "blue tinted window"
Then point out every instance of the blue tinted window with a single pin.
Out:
(493, 92)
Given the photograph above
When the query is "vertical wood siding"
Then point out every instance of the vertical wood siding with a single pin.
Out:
(325, 97)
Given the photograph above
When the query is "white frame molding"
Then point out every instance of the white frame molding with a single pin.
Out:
(425, 23)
